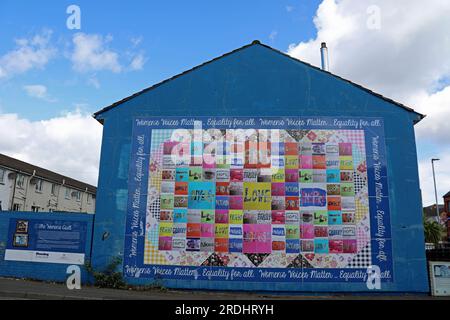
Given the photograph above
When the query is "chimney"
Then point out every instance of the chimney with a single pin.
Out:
(324, 56)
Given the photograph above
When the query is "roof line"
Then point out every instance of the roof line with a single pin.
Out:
(20, 166)
(255, 42)
(171, 78)
(348, 81)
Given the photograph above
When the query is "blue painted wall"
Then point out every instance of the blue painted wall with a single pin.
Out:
(38, 270)
(260, 81)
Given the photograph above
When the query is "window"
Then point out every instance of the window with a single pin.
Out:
(38, 185)
(20, 181)
(2, 175)
(77, 195)
(55, 189)
(89, 198)
(68, 195)
(34, 208)
(16, 207)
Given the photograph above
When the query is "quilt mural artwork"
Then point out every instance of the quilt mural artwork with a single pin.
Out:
(258, 199)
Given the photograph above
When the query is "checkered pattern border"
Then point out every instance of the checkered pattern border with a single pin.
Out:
(356, 137)
(358, 157)
(154, 209)
(158, 137)
(359, 182)
(361, 211)
(152, 233)
(363, 259)
(152, 255)
(299, 262)
(362, 233)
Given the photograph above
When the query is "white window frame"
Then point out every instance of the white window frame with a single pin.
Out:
(20, 181)
(35, 208)
(39, 184)
(2, 175)
(68, 194)
(78, 195)
(55, 189)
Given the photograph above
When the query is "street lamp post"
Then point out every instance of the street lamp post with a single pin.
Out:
(435, 190)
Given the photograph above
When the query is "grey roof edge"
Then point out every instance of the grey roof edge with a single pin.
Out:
(255, 42)
(20, 166)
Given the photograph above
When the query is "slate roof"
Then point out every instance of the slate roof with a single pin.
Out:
(254, 43)
(24, 167)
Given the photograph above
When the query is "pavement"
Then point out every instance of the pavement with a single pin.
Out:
(19, 289)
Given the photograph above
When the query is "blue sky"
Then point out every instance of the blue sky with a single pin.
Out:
(174, 36)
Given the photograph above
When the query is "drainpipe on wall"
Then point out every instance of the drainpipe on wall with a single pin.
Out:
(84, 195)
(58, 207)
(11, 205)
(27, 196)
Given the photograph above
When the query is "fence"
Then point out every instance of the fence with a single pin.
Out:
(440, 252)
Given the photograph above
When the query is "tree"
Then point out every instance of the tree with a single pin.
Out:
(433, 231)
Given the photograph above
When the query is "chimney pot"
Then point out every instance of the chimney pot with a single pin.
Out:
(324, 56)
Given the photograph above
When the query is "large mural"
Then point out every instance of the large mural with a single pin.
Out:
(258, 199)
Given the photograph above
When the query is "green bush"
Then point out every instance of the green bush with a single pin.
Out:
(110, 277)
(434, 232)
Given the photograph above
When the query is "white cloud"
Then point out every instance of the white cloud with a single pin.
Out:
(93, 81)
(434, 132)
(273, 35)
(442, 177)
(68, 144)
(135, 41)
(32, 53)
(408, 53)
(38, 91)
(403, 59)
(435, 127)
(91, 53)
(138, 61)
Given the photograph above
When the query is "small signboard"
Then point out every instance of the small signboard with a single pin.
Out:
(440, 278)
(50, 241)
